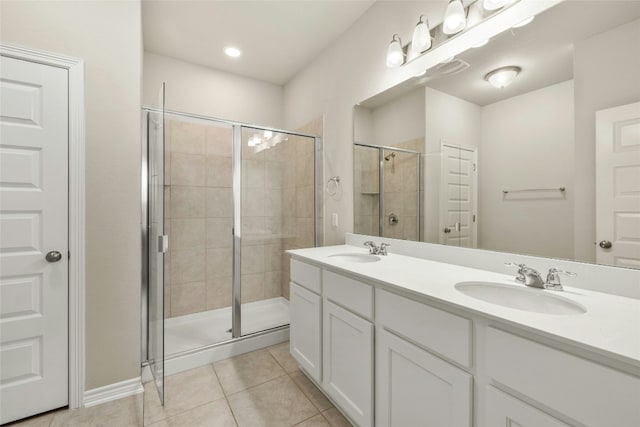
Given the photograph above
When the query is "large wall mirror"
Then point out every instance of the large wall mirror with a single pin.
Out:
(542, 159)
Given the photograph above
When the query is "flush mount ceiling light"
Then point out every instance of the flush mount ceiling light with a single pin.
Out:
(495, 4)
(502, 77)
(233, 52)
(525, 22)
(421, 40)
(395, 54)
(454, 18)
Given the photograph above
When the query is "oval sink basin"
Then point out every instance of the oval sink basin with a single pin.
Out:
(520, 298)
(355, 257)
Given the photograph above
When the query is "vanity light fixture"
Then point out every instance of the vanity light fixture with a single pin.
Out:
(525, 22)
(395, 54)
(233, 52)
(502, 77)
(495, 4)
(455, 18)
(421, 40)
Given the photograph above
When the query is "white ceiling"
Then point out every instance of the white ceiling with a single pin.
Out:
(277, 38)
(543, 49)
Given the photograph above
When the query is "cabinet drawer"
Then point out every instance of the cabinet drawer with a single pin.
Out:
(306, 275)
(351, 294)
(444, 333)
(504, 410)
(588, 392)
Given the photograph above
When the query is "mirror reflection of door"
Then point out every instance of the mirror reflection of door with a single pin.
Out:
(458, 219)
(618, 186)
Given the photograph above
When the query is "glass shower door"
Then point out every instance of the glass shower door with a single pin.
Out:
(157, 243)
(277, 199)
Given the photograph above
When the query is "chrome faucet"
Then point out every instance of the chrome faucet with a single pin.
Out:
(531, 277)
(375, 250)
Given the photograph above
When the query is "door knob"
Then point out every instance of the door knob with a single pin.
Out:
(53, 256)
(447, 230)
(605, 244)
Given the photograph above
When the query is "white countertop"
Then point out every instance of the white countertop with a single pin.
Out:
(610, 327)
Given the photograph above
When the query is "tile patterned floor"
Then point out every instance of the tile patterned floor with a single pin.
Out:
(263, 388)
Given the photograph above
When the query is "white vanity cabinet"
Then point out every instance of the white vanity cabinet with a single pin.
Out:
(416, 388)
(434, 364)
(348, 345)
(305, 332)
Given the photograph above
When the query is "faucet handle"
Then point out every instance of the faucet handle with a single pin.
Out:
(521, 269)
(553, 278)
(373, 249)
(383, 248)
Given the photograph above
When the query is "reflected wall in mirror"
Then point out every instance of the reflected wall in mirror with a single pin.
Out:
(548, 165)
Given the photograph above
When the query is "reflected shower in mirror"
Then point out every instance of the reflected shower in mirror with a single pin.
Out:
(530, 143)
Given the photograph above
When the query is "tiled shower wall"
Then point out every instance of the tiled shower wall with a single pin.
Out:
(401, 191)
(298, 194)
(198, 217)
(277, 214)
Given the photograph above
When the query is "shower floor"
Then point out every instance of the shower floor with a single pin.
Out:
(197, 330)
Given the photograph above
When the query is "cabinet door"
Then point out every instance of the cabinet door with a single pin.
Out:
(415, 388)
(348, 362)
(305, 333)
(504, 410)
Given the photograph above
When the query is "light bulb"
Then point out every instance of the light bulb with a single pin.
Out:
(231, 51)
(495, 4)
(525, 22)
(454, 18)
(421, 40)
(395, 54)
(502, 77)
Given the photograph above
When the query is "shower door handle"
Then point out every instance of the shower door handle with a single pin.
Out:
(163, 244)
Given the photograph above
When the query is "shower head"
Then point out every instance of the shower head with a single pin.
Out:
(389, 156)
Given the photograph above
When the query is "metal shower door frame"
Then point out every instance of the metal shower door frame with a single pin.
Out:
(236, 290)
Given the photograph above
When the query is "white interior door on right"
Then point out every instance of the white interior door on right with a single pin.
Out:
(618, 186)
(458, 200)
(33, 238)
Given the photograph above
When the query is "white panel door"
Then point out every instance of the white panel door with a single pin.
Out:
(415, 388)
(618, 186)
(305, 334)
(33, 222)
(457, 196)
(348, 362)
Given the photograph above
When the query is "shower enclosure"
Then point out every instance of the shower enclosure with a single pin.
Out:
(388, 191)
(222, 202)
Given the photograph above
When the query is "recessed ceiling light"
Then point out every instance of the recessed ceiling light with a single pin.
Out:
(231, 51)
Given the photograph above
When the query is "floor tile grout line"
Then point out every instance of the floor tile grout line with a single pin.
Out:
(235, 420)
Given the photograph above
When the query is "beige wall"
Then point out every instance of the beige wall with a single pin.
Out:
(528, 142)
(611, 57)
(200, 90)
(107, 36)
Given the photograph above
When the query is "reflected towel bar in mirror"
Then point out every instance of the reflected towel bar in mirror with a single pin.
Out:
(522, 190)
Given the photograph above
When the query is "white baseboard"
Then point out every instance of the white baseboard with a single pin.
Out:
(111, 392)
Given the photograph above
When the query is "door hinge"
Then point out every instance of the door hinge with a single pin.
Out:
(474, 218)
(474, 167)
(69, 255)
